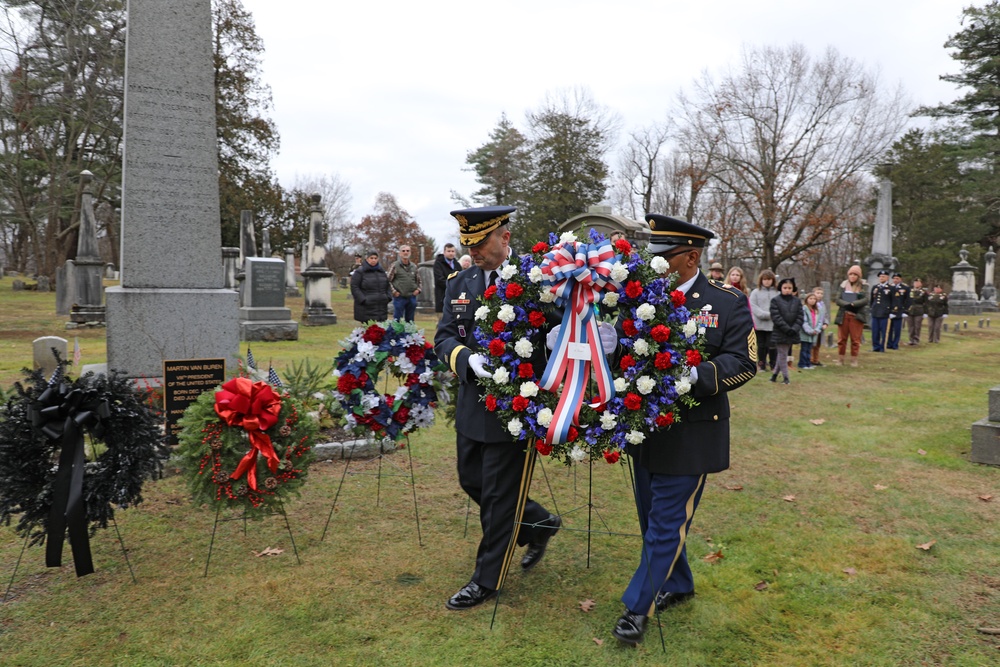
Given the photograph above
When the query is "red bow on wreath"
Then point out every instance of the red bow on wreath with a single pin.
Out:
(255, 407)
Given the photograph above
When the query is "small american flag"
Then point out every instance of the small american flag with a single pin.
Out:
(250, 361)
(272, 377)
(77, 353)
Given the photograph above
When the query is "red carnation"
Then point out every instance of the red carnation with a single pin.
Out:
(402, 415)
(540, 247)
(412, 379)
(514, 290)
(572, 434)
(519, 404)
(346, 383)
(633, 289)
(498, 326)
(491, 402)
(665, 420)
(612, 456)
(374, 334)
(536, 318)
(693, 357)
(497, 347)
(623, 246)
(363, 379)
(429, 345)
(490, 292)
(678, 298)
(525, 371)
(628, 326)
(627, 362)
(633, 401)
(660, 333)
(415, 353)
(542, 448)
(663, 361)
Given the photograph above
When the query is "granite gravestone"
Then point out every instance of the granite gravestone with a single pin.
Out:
(230, 267)
(263, 315)
(291, 288)
(65, 287)
(88, 292)
(986, 433)
(43, 356)
(317, 280)
(171, 303)
(963, 299)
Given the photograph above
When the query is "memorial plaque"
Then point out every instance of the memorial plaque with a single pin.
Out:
(265, 283)
(183, 382)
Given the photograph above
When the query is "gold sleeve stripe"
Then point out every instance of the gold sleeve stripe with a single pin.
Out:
(752, 345)
(453, 359)
(737, 379)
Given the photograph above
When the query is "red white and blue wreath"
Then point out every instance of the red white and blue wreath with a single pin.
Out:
(569, 417)
(399, 349)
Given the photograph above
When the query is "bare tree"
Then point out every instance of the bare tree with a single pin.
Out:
(640, 170)
(783, 137)
(336, 202)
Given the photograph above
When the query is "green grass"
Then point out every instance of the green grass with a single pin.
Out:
(369, 595)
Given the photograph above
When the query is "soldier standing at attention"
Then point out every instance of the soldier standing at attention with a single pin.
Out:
(671, 465)
(937, 310)
(898, 306)
(490, 463)
(881, 302)
(917, 312)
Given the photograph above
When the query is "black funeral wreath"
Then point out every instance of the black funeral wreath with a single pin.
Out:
(124, 447)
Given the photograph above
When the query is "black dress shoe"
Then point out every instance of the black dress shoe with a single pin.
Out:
(537, 549)
(630, 628)
(665, 601)
(471, 595)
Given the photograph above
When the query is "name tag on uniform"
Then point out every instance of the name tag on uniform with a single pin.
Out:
(458, 308)
(579, 351)
(707, 320)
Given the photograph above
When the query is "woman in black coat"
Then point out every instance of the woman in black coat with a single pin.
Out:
(370, 289)
(787, 316)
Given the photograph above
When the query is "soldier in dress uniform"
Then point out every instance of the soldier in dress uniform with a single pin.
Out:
(880, 304)
(916, 311)
(671, 465)
(898, 307)
(490, 463)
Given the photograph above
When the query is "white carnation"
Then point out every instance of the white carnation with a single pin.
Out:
(621, 384)
(646, 312)
(523, 347)
(514, 427)
(547, 296)
(641, 347)
(659, 264)
(506, 313)
(577, 453)
(529, 389)
(619, 272)
(544, 417)
(645, 384)
(535, 275)
(683, 386)
(690, 328)
(567, 237)
(482, 312)
(508, 271)
(610, 299)
(501, 375)
(635, 437)
(608, 421)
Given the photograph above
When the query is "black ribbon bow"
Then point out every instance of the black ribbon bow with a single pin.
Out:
(62, 412)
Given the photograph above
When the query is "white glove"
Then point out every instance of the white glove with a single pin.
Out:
(609, 337)
(905, 316)
(925, 316)
(694, 375)
(892, 316)
(478, 364)
(553, 335)
(945, 315)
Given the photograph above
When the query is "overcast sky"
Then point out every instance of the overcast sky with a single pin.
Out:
(392, 95)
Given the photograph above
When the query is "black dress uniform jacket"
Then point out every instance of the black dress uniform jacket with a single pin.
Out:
(881, 300)
(699, 442)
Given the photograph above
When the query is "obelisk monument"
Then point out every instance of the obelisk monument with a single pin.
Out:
(881, 257)
(171, 303)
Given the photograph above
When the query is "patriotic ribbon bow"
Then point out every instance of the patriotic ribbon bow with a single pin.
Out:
(255, 407)
(577, 273)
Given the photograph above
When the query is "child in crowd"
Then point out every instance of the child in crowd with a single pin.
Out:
(812, 328)
(786, 315)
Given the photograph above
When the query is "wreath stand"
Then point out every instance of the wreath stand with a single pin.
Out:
(378, 487)
(279, 512)
(24, 546)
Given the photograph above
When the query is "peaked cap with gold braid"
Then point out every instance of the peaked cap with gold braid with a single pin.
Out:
(475, 224)
(666, 233)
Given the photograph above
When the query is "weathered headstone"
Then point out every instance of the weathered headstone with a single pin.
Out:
(316, 278)
(291, 288)
(43, 284)
(265, 244)
(18, 285)
(230, 267)
(42, 352)
(989, 293)
(110, 273)
(263, 315)
(171, 303)
(65, 287)
(963, 299)
(986, 433)
(425, 300)
(87, 308)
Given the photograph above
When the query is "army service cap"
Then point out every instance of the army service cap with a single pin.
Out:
(666, 233)
(475, 224)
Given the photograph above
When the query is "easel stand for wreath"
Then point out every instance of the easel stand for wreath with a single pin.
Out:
(381, 350)
(102, 434)
(247, 448)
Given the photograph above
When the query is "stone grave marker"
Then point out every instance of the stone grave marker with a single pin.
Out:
(263, 315)
(986, 433)
(42, 352)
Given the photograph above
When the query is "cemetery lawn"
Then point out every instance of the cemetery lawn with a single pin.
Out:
(819, 525)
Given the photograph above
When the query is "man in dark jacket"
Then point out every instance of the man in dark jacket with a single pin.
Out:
(445, 264)
(881, 304)
(899, 305)
(370, 289)
(490, 463)
(671, 465)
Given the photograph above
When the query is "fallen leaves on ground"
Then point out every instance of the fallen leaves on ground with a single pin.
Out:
(713, 557)
(268, 551)
(849, 571)
(761, 585)
(926, 546)
(922, 452)
(986, 498)
(789, 498)
(734, 487)
(989, 631)
(599, 642)
(817, 422)
(587, 605)
(881, 487)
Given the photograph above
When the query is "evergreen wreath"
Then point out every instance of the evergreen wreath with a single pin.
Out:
(246, 446)
(400, 350)
(126, 446)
